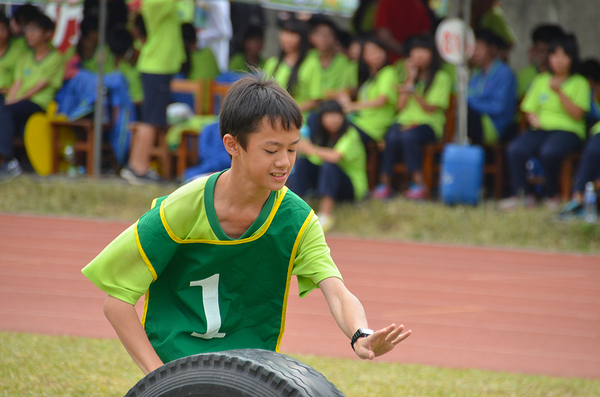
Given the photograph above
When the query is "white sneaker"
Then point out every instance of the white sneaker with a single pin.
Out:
(326, 222)
(9, 169)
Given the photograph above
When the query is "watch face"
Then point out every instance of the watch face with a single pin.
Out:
(367, 331)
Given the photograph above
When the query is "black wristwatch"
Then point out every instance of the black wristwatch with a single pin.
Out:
(360, 333)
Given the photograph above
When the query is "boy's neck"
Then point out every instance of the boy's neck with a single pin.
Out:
(291, 58)
(41, 51)
(326, 56)
(237, 188)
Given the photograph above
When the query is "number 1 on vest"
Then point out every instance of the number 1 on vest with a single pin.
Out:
(210, 300)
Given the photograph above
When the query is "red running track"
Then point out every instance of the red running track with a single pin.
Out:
(501, 310)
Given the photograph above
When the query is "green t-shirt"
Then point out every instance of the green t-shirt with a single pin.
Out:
(595, 129)
(542, 101)
(525, 78)
(121, 271)
(8, 64)
(495, 20)
(308, 86)
(204, 65)
(376, 121)
(438, 95)
(132, 75)
(179, 246)
(353, 162)
(50, 69)
(21, 43)
(334, 76)
(163, 52)
(351, 75)
(237, 63)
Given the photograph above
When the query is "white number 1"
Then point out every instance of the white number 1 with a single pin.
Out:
(210, 299)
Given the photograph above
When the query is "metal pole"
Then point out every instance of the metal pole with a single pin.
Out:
(98, 108)
(462, 74)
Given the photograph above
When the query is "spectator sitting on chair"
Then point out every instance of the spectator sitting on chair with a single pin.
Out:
(161, 57)
(18, 20)
(555, 106)
(250, 56)
(10, 55)
(492, 96)
(377, 92)
(37, 78)
(423, 100)
(542, 36)
(120, 42)
(335, 162)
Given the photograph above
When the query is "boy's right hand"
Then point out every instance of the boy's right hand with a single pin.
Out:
(380, 342)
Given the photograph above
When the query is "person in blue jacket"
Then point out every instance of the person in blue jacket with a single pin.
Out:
(492, 93)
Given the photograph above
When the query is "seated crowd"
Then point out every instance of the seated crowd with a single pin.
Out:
(385, 93)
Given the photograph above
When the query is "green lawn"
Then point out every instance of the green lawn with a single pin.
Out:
(52, 366)
(34, 365)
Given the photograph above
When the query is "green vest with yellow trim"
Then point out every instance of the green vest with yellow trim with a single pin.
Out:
(215, 295)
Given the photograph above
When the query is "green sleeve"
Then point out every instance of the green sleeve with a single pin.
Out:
(119, 269)
(270, 65)
(348, 146)
(529, 104)
(386, 84)
(237, 62)
(313, 262)
(311, 79)
(439, 93)
(579, 92)
(56, 71)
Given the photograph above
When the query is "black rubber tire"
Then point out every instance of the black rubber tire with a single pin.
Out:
(235, 373)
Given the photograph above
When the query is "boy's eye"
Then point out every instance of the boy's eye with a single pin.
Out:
(270, 152)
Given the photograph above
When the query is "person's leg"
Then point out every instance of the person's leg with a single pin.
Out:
(12, 118)
(304, 177)
(475, 127)
(589, 167)
(413, 141)
(333, 186)
(519, 151)
(554, 149)
(391, 154)
(154, 114)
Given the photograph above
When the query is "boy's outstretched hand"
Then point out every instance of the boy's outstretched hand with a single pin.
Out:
(381, 342)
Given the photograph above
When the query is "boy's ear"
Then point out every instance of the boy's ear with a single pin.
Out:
(231, 145)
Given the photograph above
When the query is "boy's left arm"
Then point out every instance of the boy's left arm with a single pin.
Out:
(350, 316)
(33, 90)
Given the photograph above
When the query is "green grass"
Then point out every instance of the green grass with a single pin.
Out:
(112, 198)
(37, 365)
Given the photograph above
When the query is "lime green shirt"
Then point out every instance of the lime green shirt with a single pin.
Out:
(163, 52)
(309, 78)
(542, 101)
(438, 95)
(333, 77)
(21, 43)
(376, 121)
(237, 63)
(132, 75)
(351, 75)
(595, 129)
(8, 64)
(204, 65)
(353, 162)
(121, 269)
(50, 69)
(525, 78)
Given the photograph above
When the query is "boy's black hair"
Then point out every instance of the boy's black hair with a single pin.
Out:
(43, 21)
(345, 38)
(426, 41)
(253, 32)
(298, 27)
(88, 25)
(590, 68)
(139, 23)
(546, 33)
(568, 43)
(320, 136)
(324, 21)
(249, 101)
(490, 38)
(25, 14)
(363, 69)
(120, 41)
(4, 20)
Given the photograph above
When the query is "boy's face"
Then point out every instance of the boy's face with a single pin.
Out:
(36, 35)
(15, 28)
(269, 156)
(4, 33)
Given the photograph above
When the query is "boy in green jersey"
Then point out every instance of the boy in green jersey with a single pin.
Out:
(37, 78)
(10, 54)
(215, 257)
